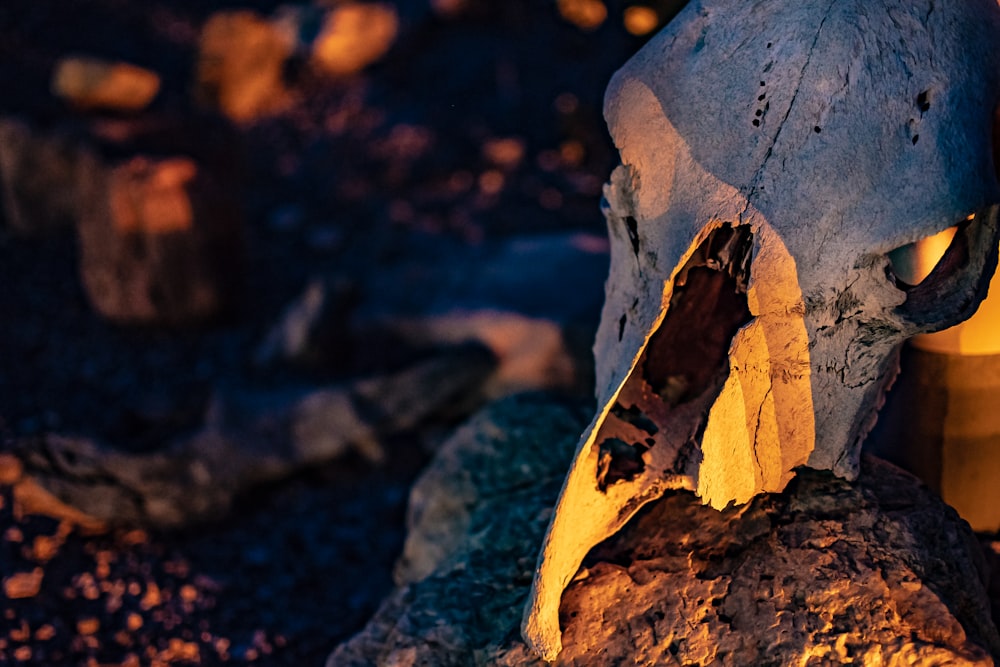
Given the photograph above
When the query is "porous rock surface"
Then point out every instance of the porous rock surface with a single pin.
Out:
(875, 572)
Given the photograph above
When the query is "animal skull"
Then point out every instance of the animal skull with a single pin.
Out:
(775, 157)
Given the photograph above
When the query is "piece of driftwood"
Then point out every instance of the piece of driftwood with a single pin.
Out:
(250, 439)
(773, 155)
(828, 572)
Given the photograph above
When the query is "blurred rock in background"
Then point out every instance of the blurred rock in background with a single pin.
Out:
(160, 242)
(93, 83)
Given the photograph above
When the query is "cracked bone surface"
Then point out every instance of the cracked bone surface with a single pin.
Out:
(773, 154)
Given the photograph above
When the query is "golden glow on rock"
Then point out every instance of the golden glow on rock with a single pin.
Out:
(641, 20)
(762, 426)
(584, 14)
(92, 83)
(354, 36)
(152, 197)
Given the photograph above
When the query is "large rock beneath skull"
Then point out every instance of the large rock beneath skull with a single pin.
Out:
(876, 572)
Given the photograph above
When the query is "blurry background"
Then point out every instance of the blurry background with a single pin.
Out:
(201, 200)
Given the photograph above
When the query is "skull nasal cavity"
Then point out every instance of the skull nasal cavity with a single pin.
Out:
(708, 307)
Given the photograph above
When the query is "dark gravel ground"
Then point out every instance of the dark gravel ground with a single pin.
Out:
(291, 573)
(358, 175)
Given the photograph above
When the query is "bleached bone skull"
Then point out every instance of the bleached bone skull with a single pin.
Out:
(774, 155)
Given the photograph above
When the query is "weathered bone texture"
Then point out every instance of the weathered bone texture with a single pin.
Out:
(817, 137)
(878, 572)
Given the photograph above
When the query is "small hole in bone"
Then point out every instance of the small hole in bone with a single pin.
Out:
(621, 327)
(759, 113)
(756, 123)
(618, 461)
(916, 138)
(760, 98)
(633, 233)
(923, 101)
(817, 129)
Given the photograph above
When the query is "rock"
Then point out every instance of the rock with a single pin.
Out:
(39, 172)
(449, 8)
(875, 572)
(93, 83)
(241, 60)
(23, 584)
(313, 329)
(353, 36)
(160, 242)
(533, 300)
(533, 352)
(584, 14)
(29, 498)
(250, 437)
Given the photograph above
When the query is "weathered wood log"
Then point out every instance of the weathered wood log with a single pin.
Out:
(828, 572)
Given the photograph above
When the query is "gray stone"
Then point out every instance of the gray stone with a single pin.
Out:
(829, 572)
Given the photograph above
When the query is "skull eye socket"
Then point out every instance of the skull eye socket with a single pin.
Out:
(912, 263)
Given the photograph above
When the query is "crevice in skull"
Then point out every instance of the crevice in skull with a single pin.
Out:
(662, 409)
(619, 461)
(633, 415)
(633, 233)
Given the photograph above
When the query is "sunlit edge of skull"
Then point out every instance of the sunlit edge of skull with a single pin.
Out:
(726, 121)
